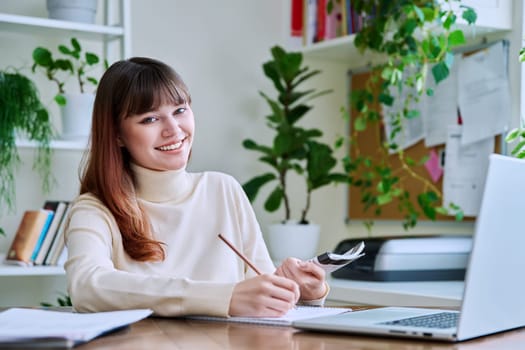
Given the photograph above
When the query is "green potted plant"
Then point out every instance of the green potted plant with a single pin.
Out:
(22, 115)
(416, 39)
(294, 149)
(76, 107)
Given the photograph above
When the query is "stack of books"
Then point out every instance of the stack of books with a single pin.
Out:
(321, 20)
(39, 239)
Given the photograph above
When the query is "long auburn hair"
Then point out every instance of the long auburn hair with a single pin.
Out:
(128, 87)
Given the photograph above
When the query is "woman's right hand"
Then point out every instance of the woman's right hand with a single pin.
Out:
(264, 296)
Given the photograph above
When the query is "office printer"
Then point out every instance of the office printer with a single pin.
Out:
(432, 258)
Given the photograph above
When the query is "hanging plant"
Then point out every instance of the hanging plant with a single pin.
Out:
(21, 113)
(416, 39)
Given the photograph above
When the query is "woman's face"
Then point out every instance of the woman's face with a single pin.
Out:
(160, 139)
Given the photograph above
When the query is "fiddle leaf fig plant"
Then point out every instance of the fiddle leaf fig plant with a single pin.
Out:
(294, 148)
(73, 63)
(416, 39)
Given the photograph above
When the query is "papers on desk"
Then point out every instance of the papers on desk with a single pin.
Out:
(299, 313)
(45, 328)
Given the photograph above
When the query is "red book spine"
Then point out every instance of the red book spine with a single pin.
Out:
(296, 23)
(321, 21)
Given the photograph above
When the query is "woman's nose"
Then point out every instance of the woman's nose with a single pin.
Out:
(170, 128)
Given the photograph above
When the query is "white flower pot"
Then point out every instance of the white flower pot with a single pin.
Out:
(83, 11)
(292, 240)
(76, 116)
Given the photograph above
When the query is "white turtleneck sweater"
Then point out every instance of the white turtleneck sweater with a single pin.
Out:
(187, 212)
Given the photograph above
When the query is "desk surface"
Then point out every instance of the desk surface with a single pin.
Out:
(165, 333)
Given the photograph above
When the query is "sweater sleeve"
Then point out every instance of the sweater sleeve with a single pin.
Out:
(96, 284)
(253, 243)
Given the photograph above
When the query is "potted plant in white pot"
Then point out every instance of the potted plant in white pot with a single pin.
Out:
(294, 149)
(76, 107)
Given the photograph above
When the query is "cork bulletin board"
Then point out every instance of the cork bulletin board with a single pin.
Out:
(369, 143)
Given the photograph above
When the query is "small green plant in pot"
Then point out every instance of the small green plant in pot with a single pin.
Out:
(76, 106)
(22, 114)
(294, 149)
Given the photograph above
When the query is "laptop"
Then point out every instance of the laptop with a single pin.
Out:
(494, 293)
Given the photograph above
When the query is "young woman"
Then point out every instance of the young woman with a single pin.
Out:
(144, 231)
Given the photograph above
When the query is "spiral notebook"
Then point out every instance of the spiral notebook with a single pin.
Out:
(296, 314)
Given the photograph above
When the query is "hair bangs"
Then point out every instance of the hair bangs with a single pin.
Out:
(153, 89)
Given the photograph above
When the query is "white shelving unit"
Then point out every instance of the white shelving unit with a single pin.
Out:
(494, 18)
(108, 33)
(115, 30)
(14, 270)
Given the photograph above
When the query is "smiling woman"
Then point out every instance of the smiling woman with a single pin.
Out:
(140, 213)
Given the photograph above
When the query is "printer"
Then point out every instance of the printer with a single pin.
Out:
(429, 258)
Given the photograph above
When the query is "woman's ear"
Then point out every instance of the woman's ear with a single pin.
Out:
(119, 142)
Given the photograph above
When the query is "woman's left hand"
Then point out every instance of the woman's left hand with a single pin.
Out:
(309, 277)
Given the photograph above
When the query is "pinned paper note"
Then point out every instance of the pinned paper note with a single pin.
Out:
(433, 166)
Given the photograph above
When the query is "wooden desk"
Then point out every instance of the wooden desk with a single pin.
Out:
(165, 333)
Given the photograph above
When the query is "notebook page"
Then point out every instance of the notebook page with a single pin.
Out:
(299, 313)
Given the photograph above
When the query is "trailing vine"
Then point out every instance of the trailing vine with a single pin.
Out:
(21, 113)
(416, 37)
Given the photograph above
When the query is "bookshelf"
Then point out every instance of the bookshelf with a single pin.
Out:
(493, 20)
(106, 33)
(28, 286)
(14, 270)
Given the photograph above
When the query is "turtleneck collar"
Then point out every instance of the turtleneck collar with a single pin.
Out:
(161, 186)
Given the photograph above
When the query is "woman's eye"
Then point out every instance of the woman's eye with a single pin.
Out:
(148, 120)
(180, 110)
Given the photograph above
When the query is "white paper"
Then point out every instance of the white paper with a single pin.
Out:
(18, 324)
(441, 109)
(465, 171)
(331, 262)
(295, 314)
(484, 93)
(412, 129)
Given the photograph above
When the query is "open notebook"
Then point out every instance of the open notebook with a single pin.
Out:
(299, 313)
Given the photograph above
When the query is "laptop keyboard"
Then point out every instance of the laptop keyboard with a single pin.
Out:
(439, 320)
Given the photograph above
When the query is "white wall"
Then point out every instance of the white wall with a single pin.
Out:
(218, 47)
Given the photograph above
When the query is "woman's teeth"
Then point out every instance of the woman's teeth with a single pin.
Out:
(171, 147)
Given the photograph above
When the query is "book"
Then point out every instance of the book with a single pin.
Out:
(59, 208)
(320, 26)
(26, 237)
(298, 313)
(28, 328)
(296, 21)
(309, 22)
(57, 246)
(43, 233)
